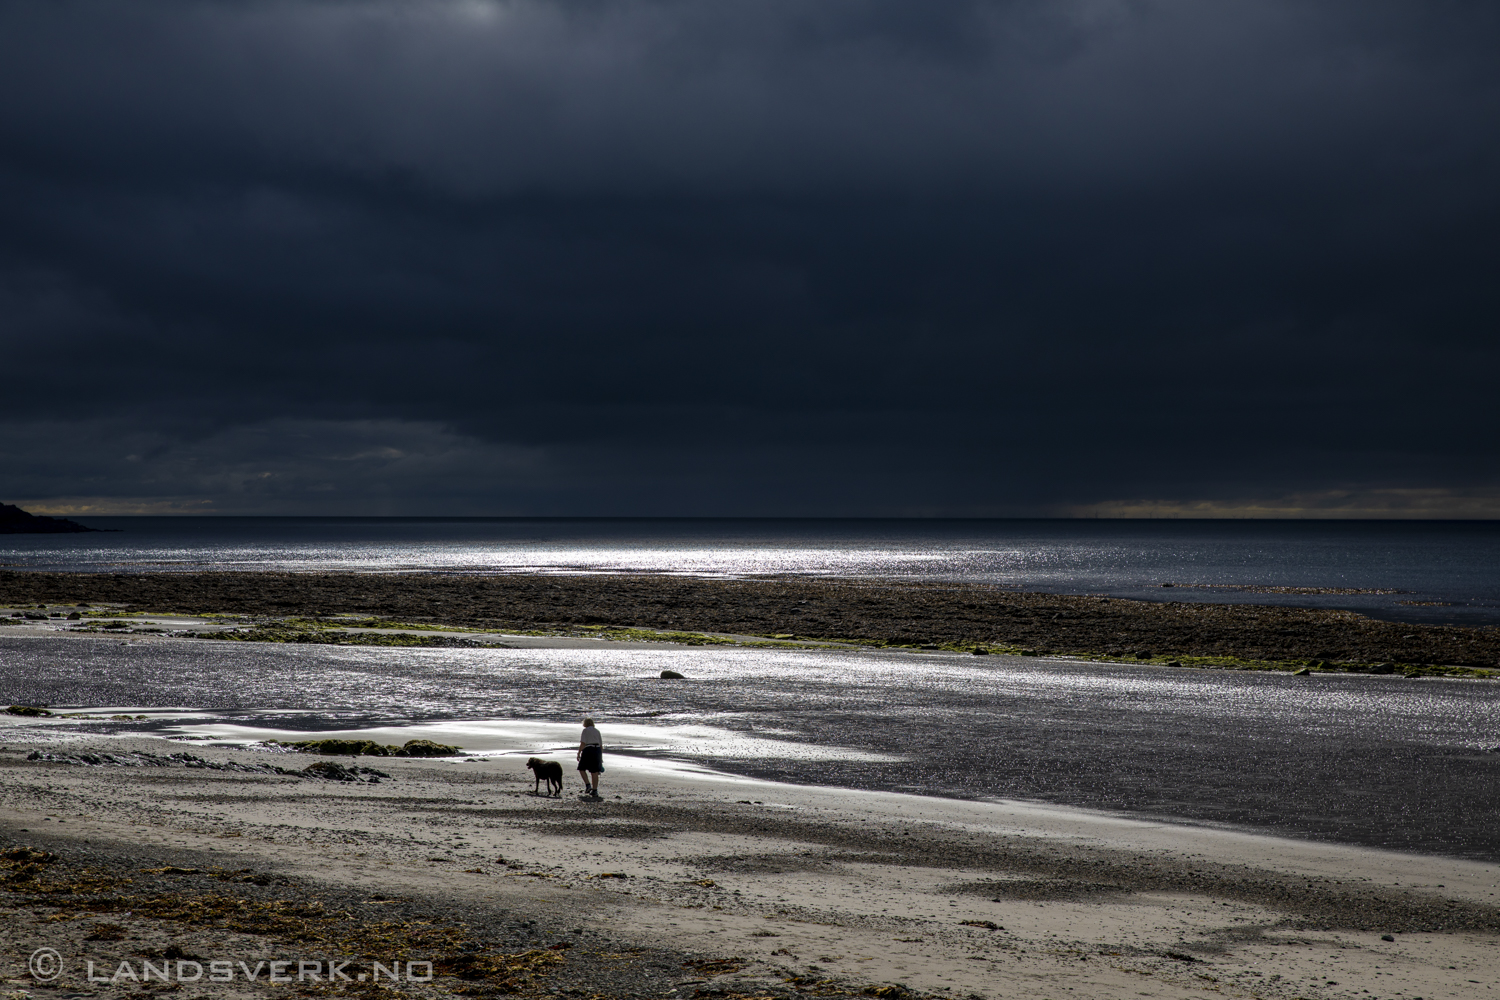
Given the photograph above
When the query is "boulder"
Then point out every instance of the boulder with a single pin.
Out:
(31, 710)
(671, 675)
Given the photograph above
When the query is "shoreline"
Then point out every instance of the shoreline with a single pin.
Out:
(687, 882)
(397, 609)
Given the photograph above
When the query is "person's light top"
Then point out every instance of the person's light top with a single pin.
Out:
(591, 735)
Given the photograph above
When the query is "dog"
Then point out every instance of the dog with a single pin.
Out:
(549, 769)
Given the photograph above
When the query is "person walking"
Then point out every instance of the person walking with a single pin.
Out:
(590, 758)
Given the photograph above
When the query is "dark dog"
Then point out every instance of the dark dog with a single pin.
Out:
(549, 769)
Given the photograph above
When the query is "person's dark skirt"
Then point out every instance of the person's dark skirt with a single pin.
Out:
(592, 759)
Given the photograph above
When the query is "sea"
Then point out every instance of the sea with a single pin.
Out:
(1410, 765)
(1419, 571)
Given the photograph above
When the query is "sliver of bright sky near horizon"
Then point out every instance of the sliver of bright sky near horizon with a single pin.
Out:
(858, 257)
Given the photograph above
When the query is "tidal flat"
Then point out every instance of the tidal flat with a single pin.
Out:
(713, 869)
(972, 617)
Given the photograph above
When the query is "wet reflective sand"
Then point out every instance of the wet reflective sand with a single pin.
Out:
(1404, 764)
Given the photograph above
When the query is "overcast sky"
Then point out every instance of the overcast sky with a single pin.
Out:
(750, 257)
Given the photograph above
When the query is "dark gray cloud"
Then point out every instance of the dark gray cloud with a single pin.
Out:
(778, 257)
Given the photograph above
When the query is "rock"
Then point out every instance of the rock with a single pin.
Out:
(369, 748)
(35, 616)
(1144, 654)
(980, 652)
(1383, 668)
(330, 771)
(1304, 672)
(1028, 652)
(671, 675)
(344, 748)
(427, 748)
(74, 616)
(1387, 937)
(1174, 663)
(31, 710)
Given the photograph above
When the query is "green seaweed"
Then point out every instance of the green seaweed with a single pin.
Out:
(369, 748)
(344, 623)
(323, 631)
(323, 638)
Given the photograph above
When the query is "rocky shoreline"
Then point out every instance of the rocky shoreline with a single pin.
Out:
(881, 613)
(15, 521)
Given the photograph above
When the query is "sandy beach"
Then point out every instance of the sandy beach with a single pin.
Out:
(137, 857)
(684, 882)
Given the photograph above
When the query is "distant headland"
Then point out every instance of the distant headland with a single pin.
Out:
(15, 521)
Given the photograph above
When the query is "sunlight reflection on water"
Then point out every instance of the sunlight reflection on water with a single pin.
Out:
(1443, 570)
(1409, 764)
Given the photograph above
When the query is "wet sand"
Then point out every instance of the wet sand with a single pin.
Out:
(1385, 762)
(683, 882)
(906, 614)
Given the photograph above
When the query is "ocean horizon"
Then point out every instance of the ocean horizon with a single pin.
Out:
(1419, 571)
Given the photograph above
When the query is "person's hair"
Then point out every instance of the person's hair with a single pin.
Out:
(588, 722)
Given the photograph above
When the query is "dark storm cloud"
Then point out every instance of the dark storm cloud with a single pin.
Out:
(746, 257)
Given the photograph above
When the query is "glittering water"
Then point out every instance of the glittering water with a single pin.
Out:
(1407, 764)
(1431, 571)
